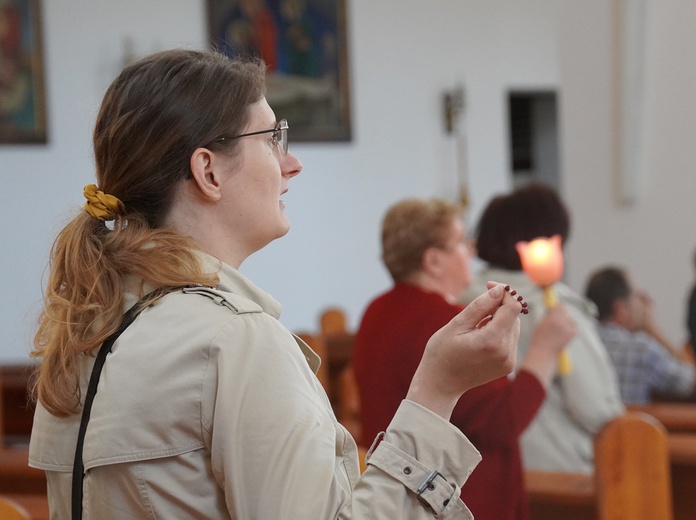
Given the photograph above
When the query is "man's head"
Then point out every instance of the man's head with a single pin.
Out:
(611, 289)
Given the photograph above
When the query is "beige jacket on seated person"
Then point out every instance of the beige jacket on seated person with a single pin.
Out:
(577, 404)
(208, 407)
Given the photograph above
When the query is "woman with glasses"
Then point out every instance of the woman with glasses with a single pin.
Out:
(167, 387)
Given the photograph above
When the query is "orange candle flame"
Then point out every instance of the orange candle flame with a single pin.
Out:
(542, 260)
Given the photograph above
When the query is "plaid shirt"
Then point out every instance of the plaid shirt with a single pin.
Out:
(643, 365)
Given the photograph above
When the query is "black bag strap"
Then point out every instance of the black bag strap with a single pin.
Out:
(78, 465)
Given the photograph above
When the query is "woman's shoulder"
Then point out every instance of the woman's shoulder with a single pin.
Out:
(202, 304)
(236, 303)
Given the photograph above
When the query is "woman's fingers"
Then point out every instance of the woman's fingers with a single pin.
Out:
(499, 298)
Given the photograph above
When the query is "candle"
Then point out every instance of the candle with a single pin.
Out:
(542, 262)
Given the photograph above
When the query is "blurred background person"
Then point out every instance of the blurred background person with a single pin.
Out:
(577, 404)
(645, 361)
(424, 247)
(691, 316)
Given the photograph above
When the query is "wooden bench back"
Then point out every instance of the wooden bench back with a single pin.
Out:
(333, 321)
(632, 469)
(11, 510)
(677, 417)
(344, 390)
(16, 409)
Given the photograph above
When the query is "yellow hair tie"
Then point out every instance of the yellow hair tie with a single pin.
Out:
(100, 205)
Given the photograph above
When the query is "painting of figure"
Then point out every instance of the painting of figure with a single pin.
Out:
(303, 43)
(22, 100)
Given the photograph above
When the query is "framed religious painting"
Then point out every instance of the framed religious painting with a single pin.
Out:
(22, 96)
(303, 43)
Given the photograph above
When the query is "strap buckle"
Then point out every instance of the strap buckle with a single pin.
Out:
(428, 483)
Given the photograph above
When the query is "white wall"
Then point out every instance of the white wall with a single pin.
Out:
(403, 55)
(42, 185)
(655, 237)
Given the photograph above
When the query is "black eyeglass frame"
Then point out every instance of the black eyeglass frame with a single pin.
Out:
(281, 142)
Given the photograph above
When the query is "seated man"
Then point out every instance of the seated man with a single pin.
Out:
(645, 361)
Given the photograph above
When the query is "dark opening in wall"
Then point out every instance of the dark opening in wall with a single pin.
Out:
(521, 129)
(533, 137)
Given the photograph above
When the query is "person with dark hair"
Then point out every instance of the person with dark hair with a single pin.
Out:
(167, 386)
(424, 247)
(691, 316)
(645, 361)
(577, 404)
(528, 213)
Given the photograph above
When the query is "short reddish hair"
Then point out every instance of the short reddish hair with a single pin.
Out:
(409, 228)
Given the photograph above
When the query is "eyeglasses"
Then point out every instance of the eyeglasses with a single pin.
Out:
(279, 137)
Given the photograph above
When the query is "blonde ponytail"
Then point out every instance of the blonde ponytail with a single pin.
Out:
(84, 298)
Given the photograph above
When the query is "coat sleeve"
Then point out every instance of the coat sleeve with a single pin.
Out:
(278, 452)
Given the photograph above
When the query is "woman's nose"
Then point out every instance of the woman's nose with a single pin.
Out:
(291, 165)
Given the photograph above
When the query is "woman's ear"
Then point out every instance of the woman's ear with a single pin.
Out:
(430, 262)
(202, 164)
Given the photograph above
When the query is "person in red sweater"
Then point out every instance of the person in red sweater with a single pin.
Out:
(424, 247)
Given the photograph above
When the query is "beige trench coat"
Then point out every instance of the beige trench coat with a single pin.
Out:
(209, 408)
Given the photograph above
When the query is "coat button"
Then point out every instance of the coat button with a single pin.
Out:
(407, 470)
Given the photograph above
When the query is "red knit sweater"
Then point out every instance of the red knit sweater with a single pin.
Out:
(389, 345)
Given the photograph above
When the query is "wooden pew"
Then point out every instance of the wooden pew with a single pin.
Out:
(333, 321)
(632, 469)
(339, 348)
(35, 505)
(343, 390)
(680, 420)
(676, 417)
(18, 482)
(571, 496)
(631, 480)
(11, 510)
(561, 496)
(15, 474)
(333, 330)
(682, 449)
(16, 409)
